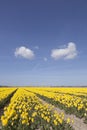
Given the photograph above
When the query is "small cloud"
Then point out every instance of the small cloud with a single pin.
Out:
(24, 52)
(69, 52)
(36, 47)
(45, 59)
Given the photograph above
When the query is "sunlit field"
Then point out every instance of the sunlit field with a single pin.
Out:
(42, 108)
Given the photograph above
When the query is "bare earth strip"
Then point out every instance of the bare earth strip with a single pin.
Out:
(78, 124)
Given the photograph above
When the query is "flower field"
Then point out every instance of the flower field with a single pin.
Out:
(5, 94)
(33, 108)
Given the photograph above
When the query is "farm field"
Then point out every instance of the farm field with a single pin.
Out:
(43, 108)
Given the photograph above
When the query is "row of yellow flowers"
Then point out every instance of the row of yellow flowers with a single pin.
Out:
(27, 112)
(71, 91)
(4, 93)
(71, 100)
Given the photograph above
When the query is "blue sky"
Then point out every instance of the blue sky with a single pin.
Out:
(43, 42)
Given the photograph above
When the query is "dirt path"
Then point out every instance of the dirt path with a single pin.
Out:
(77, 124)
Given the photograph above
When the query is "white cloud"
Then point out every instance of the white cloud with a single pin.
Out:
(69, 52)
(24, 52)
(45, 59)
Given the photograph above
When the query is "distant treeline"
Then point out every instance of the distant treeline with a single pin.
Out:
(47, 86)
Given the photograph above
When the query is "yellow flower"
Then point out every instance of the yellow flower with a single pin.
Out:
(4, 122)
(48, 120)
(55, 122)
(85, 114)
(68, 120)
(23, 121)
(32, 119)
(34, 114)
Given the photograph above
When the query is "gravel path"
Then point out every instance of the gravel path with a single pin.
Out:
(77, 124)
